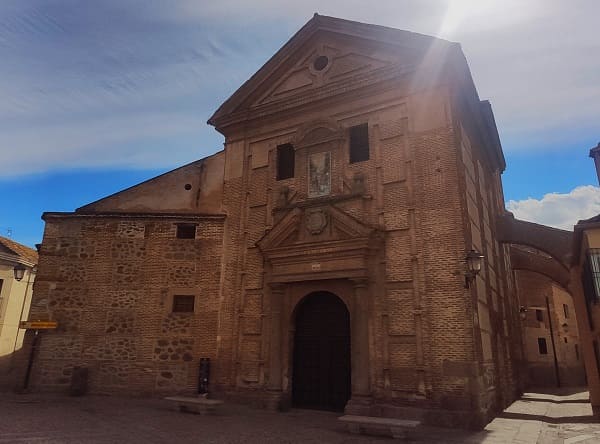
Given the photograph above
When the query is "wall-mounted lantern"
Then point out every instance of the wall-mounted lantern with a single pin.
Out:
(19, 272)
(522, 313)
(474, 262)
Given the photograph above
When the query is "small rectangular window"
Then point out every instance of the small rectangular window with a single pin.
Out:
(359, 143)
(183, 303)
(566, 310)
(285, 161)
(542, 347)
(577, 352)
(186, 231)
(539, 315)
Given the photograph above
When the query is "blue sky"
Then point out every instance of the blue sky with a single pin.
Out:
(100, 95)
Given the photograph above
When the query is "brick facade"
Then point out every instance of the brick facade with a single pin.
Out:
(388, 237)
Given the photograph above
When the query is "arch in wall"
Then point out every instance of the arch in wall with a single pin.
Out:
(556, 243)
(526, 259)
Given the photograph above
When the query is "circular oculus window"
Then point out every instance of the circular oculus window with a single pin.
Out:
(321, 63)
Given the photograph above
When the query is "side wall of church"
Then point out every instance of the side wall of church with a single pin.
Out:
(110, 284)
(494, 300)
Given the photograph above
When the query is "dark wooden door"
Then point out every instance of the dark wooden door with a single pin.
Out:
(321, 370)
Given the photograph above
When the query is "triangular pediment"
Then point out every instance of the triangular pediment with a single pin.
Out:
(326, 53)
(340, 59)
(314, 225)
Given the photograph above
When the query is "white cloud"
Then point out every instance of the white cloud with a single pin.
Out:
(76, 81)
(559, 210)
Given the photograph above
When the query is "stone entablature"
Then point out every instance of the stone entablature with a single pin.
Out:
(319, 242)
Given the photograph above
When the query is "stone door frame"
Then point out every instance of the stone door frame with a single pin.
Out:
(284, 300)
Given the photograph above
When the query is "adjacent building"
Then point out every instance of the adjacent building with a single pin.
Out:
(585, 272)
(553, 356)
(17, 274)
(319, 259)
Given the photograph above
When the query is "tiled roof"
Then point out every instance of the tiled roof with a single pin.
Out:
(25, 253)
(591, 220)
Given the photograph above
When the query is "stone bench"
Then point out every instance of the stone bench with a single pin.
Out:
(397, 428)
(195, 405)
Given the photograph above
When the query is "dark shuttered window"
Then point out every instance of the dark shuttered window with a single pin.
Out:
(359, 143)
(186, 231)
(183, 303)
(285, 161)
(542, 346)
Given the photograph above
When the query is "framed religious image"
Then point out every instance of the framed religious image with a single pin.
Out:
(319, 174)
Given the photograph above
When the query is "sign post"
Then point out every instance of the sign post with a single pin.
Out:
(36, 326)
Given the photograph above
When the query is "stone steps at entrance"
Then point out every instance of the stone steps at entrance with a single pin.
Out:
(370, 425)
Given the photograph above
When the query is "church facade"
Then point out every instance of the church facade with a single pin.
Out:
(319, 259)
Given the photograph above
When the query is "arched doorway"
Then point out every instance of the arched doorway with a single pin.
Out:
(321, 367)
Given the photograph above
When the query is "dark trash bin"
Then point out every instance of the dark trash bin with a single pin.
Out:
(79, 381)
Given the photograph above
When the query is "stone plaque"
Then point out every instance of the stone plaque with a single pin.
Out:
(319, 174)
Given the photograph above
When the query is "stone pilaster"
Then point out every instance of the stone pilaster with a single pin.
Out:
(360, 400)
(275, 358)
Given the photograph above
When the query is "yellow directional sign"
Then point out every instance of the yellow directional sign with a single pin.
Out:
(38, 325)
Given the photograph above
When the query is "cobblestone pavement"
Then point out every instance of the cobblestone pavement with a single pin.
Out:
(564, 417)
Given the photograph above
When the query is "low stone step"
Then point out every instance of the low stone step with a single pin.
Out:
(372, 425)
(191, 404)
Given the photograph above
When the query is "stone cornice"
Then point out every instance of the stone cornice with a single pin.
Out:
(123, 215)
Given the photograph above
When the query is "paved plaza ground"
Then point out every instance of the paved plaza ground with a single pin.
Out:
(559, 417)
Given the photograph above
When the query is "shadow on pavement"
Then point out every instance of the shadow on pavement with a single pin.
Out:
(586, 419)
(557, 391)
(557, 401)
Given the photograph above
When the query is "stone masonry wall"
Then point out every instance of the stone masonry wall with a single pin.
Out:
(110, 282)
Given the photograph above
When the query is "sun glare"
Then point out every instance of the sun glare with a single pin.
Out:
(459, 11)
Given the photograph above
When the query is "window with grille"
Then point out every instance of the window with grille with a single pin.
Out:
(542, 346)
(183, 303)
(359, 143)
(591, 275)
(285, 161)
(186, 231)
